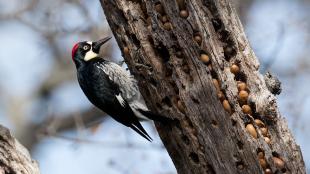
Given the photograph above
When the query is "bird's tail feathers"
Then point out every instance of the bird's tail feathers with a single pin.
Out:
(154, 117)
(140, 130)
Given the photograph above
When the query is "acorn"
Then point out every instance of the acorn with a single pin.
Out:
(264, 131)
(181, 106)
(259, 123)
(250, 128)
(263, 163)
(164, 19)
(217, 84)
(149, 20)
(126, 50)
(198, 39)
(267, 140)
(221, 95)
(227, 106)
(240, 166)
(159, 8)
(210, 67)
(243, 95)
(167, 26)
(247, 109)
(234, 69)
(184, 13)
(261, 155)
(278, 162)
(204, 58)
(268, 171)
(241, 86)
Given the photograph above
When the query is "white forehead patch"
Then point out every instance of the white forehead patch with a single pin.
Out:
(90, 54)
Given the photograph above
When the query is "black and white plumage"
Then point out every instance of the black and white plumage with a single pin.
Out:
(110, 87)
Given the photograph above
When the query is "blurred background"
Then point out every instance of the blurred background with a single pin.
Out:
(42, 104)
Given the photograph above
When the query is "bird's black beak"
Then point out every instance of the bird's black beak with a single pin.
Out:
(99, 43)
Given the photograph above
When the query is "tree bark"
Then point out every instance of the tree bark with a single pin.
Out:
(14, 158)
(182, 54)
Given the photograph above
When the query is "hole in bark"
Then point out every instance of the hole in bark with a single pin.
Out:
(217, 24)
(163, 52)
(246, 119)
(135, 40)
(159, 8)
(168, 71)
(229, 52)
(197, 38)
(224, 36)
(185, 139)
(240, 165)
(181, 4)
(283, 170)
(185, 68)
(194, 157)
(153, 82)
(167, 101)
(158, 106)
(175, 87)
(150, 39)
(275, 154)
(241, 77)
(233, 122)
(195, 100)
(214, 123)
(240, 145)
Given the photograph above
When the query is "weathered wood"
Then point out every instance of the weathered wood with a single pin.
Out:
(162, 49)
(14, 158)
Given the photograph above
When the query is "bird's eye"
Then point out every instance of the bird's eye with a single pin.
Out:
(85, 47)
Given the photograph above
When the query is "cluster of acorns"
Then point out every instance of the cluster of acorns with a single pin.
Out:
(243, 95)
(279, 163)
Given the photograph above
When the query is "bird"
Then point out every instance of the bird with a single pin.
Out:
(111, 88)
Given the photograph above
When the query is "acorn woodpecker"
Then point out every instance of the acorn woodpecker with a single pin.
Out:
(110, 87)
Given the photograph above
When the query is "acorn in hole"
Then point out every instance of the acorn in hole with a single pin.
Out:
(204, 58)
(264, 131)
(126, 50)
(267, 140)
(234, 69)
(247, 109)
(278, 162)
(217, 84)
(243, 95)
(227, 106)
(241, 86)
(251, 129)
(198, 38)
(184, 13)
(259, 123)
(159, 8)
(263, 163)
(268, 171)
(261, 155)
(167, 26)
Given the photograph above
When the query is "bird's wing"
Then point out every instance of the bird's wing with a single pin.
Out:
(127, 84)
(119, 107)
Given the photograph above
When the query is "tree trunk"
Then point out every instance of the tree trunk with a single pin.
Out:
(14, 158)
(190, 58)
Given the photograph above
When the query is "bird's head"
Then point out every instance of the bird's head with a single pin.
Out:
(87, 50)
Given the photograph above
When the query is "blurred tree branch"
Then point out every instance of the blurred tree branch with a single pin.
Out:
(14, 157)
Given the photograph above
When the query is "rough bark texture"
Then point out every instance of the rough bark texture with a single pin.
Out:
(14, 158)
(163, 49)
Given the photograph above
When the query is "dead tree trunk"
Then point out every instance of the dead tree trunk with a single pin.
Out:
(14, 158)
(194, 63)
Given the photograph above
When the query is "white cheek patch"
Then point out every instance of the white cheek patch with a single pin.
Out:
(90, 54)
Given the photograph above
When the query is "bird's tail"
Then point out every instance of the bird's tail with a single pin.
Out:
(140, 130)
(154, 117)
